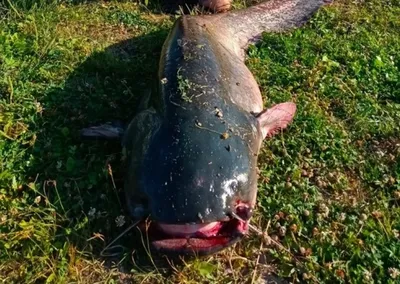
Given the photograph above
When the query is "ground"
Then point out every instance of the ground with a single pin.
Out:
(329, 189)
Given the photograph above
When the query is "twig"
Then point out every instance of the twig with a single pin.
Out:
(117, 238)
(268, 239)
(110, 172)
(14, 9)
(253, 279)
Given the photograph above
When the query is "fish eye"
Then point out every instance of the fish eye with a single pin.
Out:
(234, 184)
(138, 211)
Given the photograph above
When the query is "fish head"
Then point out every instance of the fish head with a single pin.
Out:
(197, 177)
(200, 182)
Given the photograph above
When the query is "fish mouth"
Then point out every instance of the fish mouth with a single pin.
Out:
(196, 239)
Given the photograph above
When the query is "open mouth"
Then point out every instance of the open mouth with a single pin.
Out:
(196, 239)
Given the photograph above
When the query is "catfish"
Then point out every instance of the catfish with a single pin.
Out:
(192, 150)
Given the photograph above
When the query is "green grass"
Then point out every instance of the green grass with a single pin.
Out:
(329, 186)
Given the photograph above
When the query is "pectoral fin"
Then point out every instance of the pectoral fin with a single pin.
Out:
(276, 118)
(107, 131)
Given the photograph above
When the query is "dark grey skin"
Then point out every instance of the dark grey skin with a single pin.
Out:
(192, 152)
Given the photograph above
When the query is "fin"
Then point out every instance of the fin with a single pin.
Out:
(108, 131)
(248, 24)
(216, 6)
(145, 100)
(276, 118)
(116, 129)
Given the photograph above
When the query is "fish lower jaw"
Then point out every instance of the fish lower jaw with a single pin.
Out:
(197, 239)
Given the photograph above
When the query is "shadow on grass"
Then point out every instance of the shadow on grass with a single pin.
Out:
(83, 179)
(159, 6)
(154, 6)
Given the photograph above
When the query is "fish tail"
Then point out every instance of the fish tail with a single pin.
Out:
(247, 25)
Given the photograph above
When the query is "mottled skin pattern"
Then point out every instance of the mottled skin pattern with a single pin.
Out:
(192, 153)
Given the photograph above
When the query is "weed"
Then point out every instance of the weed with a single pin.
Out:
(184, 85)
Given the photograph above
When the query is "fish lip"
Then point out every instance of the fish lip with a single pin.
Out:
(193, 252)
(161, 242)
